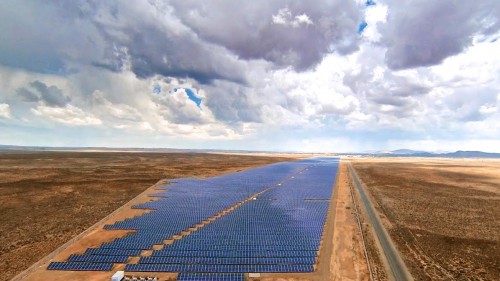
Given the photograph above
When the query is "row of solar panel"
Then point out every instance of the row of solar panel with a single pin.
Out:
(139, 246)
(255, 240)
(258, 229)
(208, 260)
(186, 204)
(210, 277)
(237, 236)
(302, 210)
(303, 214)
(113, 252)
(138, 226)
(312, 232)
(98, 258)
(77, 266)
(204, 247)
(278, 227)
(234, 254)
(219, 268)
(262, 241)
(139, 239)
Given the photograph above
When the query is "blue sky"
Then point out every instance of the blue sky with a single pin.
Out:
(254, 75)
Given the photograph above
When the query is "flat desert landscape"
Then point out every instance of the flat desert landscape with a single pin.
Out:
(46, 198)
(443, 214)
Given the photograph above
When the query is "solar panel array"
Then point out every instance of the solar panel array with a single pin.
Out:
(278, 230)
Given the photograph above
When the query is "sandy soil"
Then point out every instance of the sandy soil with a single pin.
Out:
(46, 198)
(348, 261)
(443, 214)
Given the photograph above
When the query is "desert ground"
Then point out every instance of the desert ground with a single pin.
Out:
(46, 198)
(442, 214)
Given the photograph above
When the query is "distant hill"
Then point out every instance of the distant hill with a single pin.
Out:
(406, 151)
(457, 154)
(472, 154)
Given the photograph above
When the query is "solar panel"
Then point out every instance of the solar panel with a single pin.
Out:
(218, 268)
(80, 266)
(210, 277)
(279, 231)
(98, 259)
(113, 252)
(234, 260)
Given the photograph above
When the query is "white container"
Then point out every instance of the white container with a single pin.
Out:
(118, 276)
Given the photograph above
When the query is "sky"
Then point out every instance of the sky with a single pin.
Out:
(282, 75)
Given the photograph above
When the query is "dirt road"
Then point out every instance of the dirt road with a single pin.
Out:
(443, 214)
(397, 268)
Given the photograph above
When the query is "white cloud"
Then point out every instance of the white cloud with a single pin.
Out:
(142, 126)
(5, 111)
(322, 144)
(373, 16)
(69, 115)
(476, 66)
(120, 111)
(293, 75)
(285, 17)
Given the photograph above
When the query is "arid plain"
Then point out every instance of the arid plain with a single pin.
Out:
(443, 214)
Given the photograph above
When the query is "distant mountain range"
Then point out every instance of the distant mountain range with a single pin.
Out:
(389, 153)
(416, 153)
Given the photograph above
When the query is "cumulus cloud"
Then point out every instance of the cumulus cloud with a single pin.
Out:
(279, 69)
(310, 30)
(176, 107)
(69, 115)
(184, 39)
(424, 33)
(40, 92)
(285, 17)
(4, 111)
(119, 111)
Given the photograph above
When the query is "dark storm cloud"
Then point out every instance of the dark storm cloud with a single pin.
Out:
(201, 40)
(39, 91)
(27, 95)
(425, 32)
(274, 30)
(45, 36)
(152, 52)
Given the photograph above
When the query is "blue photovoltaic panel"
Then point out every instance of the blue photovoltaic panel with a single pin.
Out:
(112, 252)
(210, 277)
(96, 258)
(218, 268)
(234, 260)
(279, 230)
(232, 254)
(80, 266)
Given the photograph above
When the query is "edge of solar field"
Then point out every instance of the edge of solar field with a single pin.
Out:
(119, 262)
